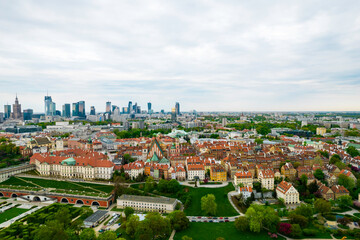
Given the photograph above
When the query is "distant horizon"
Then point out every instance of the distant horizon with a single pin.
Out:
(209, 56)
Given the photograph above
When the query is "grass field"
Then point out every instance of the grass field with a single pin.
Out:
(66, 185)
(211, 231)
(11, 213)
(224, 207)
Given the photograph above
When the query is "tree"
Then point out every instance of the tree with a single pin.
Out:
(108, 235)
(259, 141)
(285, 228)
(160, 226)
(304, 179)
(63, 216)
(319, 174)
(52, 230)
(344, 201)
(144, 231)
(334, 159)
(162, 186)
(298, 219)
(346, 181)
(149, 184)
(313, 187)
(131, 225)
(322, 206)
(128, 211)
(242, 224)
(296, 164)
(178, 220)
(208, 204)
(127, 158)
(257, 186)
(296, 230)
(352, 151)
(174, 186)
(259, 216)
(88, 234)
(304, 210)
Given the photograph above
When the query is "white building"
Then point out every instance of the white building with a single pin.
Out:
(134, 169)
(245, 191)
(147, 204)
(266, 178)
(287, 192)
(195, 170)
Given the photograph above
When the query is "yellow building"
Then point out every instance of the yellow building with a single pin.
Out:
(320, 131)
(218, 173)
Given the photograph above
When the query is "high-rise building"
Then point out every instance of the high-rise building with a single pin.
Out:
(82, 109)
(113, 107)
(27, 114)
(17, 109)
(7, 111)
(66, 110)
(108, 107)
(173, 114)
(50, 106)
(149, 107)
(92, 110)
(130, 107)
(177, 108)
(75, 109)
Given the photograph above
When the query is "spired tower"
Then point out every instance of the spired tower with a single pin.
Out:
(17, 109)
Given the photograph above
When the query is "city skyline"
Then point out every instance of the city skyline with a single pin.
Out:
(209, 56)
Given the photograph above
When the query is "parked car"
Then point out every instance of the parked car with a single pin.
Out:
(210, 220)
(101, 230)
(226, 220)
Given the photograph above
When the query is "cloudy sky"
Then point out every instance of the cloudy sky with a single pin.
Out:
(207, 55)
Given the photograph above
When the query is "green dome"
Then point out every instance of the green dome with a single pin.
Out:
(69, 161)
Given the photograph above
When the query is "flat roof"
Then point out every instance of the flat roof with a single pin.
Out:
(96, 216)
(136, 198)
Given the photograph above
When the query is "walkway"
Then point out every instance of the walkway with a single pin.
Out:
(172, 235)
(223, 184)
(230, 194)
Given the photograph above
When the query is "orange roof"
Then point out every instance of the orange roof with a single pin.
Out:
(284, 187)
(243, 174)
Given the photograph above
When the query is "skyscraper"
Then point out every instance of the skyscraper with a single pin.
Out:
(49, 108)
(82, 109)
(173, 114)
(177, 108)
(130, 107)
(7, 111)
(92, 110)
(66, 110)
(149, 107)
(108, 107)
(75, 109)
(27, 114)
(17, 109)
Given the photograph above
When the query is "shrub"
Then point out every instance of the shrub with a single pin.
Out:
(285, 228)
(330, 217)
(296, 230)
(310, 232)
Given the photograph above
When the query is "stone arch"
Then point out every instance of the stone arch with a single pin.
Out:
(111, 202)
(14, 195)
(95, 203)
(36, 199)
(1, 194)
(64, 200)
(79, 202)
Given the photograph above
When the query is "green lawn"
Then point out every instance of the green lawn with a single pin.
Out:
(66, 185)
(224, 208)
(211, 231)
(11, 213)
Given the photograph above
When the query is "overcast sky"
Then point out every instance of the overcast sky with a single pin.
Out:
(207, 55)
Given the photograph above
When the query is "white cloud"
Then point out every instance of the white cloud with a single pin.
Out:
(209, 55)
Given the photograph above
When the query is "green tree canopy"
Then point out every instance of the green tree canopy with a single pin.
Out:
(242, 224)
(322, 206)
(208, 204)
(346, 181)
(87, 234)
(178, 220)
(319, 174)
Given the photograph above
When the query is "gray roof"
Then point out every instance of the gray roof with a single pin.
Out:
(147, 199)
(96, 216)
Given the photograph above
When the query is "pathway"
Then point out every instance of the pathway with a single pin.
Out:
(223, 184)
(230, 194)
(172, 235)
